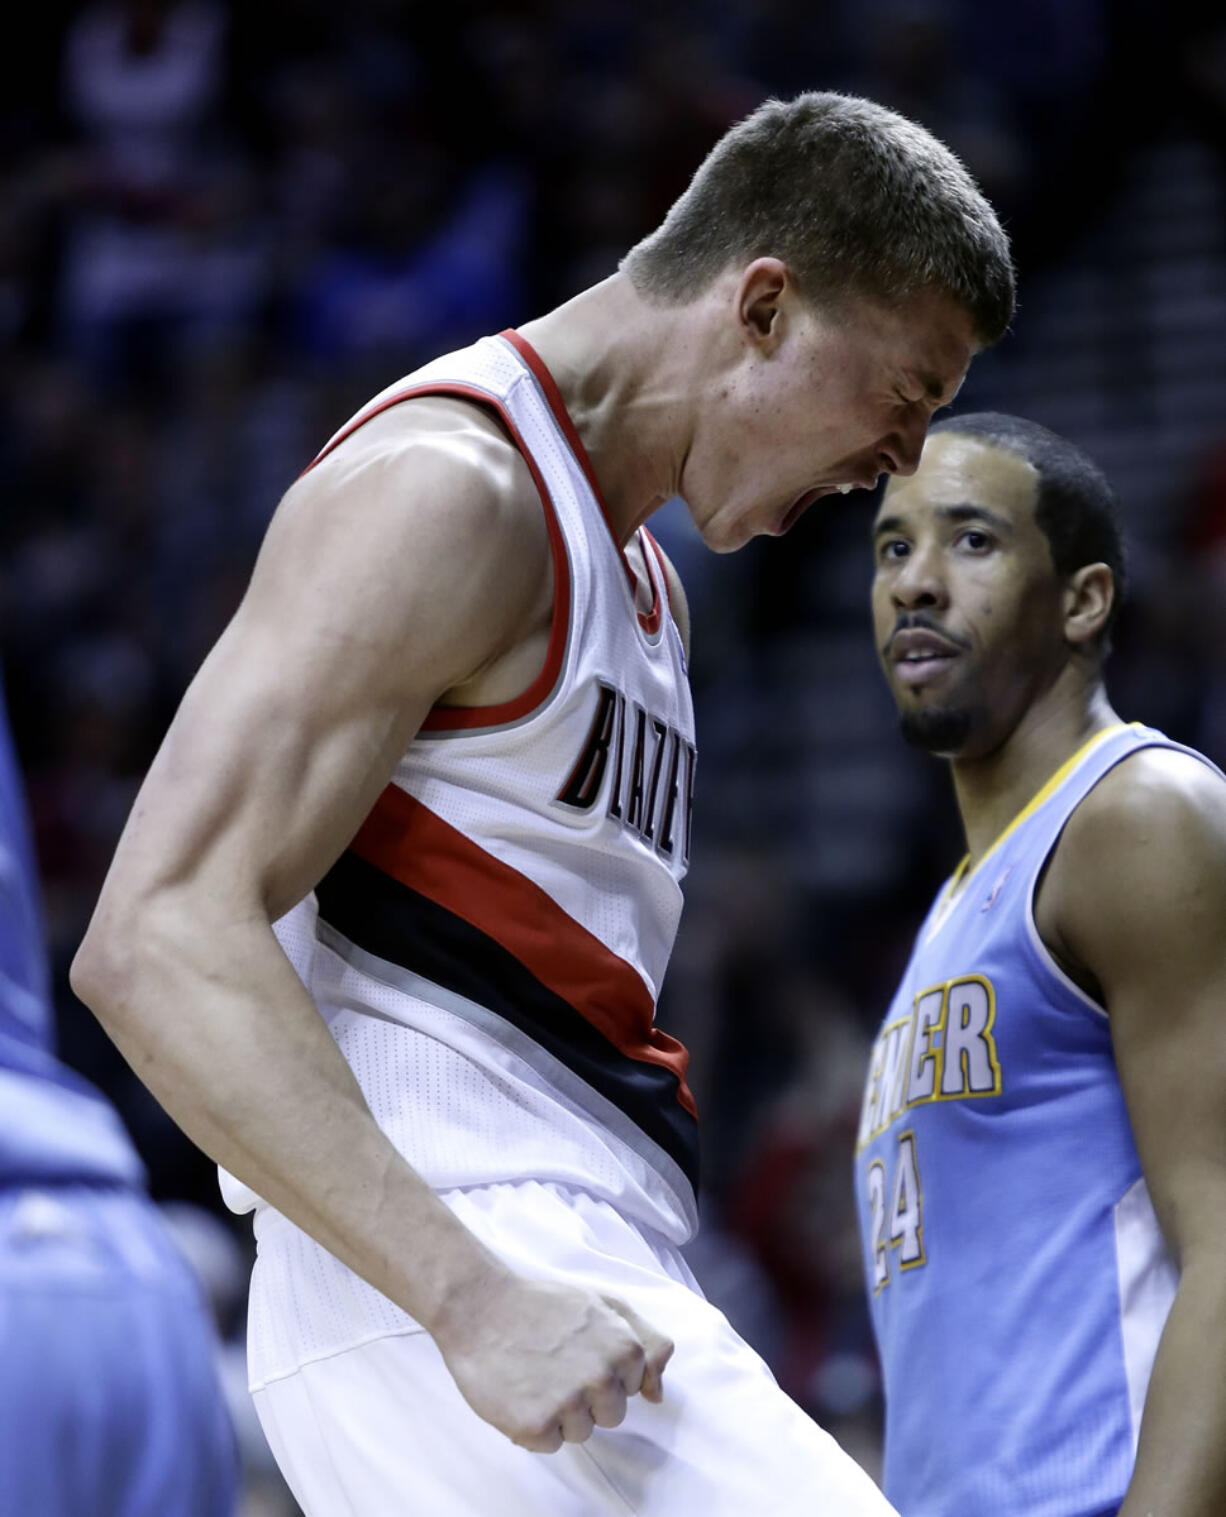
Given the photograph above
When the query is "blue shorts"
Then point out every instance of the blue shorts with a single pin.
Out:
(110, 1400)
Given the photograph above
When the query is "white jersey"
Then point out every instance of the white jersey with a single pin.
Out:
(489, 950)
(381, 1427)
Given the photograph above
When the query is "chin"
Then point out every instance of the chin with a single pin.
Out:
(722, 538)
(944, 731)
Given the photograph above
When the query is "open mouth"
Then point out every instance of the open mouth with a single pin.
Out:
(919, 655)
(802, 503)
(796, 510)
(918, 669)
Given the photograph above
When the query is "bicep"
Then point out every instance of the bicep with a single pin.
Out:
(268, 769)
(363, 609)
(1169, 1034)
(1149, 924)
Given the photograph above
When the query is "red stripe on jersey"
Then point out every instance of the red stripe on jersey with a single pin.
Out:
(659, 553)
(411, 843)
(648, 620)
(460, 718)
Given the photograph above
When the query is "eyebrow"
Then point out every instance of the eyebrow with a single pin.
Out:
(963, 511)
(935, 390)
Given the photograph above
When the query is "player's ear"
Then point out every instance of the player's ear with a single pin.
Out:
(759, 296)
(1088, 597)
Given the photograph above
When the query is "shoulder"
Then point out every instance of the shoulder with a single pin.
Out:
(1141, 867)
(433, 457)
(431, 487)
(1159, 803)
(421, 529)
(677, 602)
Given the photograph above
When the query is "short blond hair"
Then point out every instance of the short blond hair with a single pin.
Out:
(854, 198)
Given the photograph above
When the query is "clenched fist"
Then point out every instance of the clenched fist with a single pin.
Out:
(546, 1363)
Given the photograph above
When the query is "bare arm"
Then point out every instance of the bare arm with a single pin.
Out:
(410, 560)
(1140, 902)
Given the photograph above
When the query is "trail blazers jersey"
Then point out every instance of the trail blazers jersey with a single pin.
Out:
(1018, 1279)
(489, 950)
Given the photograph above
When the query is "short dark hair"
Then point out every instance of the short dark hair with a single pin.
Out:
(854, 198)
(1076, 507)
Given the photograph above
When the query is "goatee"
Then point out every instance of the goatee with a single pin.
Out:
(943, 730)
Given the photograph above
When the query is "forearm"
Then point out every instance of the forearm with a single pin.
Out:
(217, 1024)
(1181, 1456)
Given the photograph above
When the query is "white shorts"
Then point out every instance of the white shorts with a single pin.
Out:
(378, 1428)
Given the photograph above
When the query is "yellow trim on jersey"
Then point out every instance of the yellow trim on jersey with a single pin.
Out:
(960, 877)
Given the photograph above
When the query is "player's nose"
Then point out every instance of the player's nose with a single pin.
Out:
(919, 580)
(900, 454)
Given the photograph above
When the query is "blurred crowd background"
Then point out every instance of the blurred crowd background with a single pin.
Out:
(224, 225)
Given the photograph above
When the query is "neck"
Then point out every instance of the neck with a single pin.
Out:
(991, 790)
(625, 372)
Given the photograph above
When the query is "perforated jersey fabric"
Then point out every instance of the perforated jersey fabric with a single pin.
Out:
(489, 951)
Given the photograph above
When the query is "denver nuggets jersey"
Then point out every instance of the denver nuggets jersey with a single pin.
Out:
(1018, 1279)
(489, 950)
(54, 1126)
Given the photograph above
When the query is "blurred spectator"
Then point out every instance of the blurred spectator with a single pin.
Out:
(424, 263)
(791, 1204)
(161, 251)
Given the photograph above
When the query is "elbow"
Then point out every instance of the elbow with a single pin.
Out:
(139, 954)
(112, 966)
(100, 969)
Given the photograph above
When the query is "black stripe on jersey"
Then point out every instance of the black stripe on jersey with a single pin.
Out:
(396, 923)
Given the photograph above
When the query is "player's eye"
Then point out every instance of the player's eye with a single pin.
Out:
(975, 540)
(892, 549)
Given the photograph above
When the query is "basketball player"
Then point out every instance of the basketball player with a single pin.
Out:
(110, 1399)
(447, 747)
(1041, 1166)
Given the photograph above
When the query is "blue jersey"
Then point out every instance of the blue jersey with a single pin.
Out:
(1017, 1276)
(107, 1375)
(54, 1126)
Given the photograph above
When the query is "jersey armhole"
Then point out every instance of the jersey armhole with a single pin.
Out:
(1044, 955)
(468, 718)
(1045, 958)
(660, 600)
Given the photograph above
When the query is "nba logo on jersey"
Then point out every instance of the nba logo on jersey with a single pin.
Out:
(997, 886)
